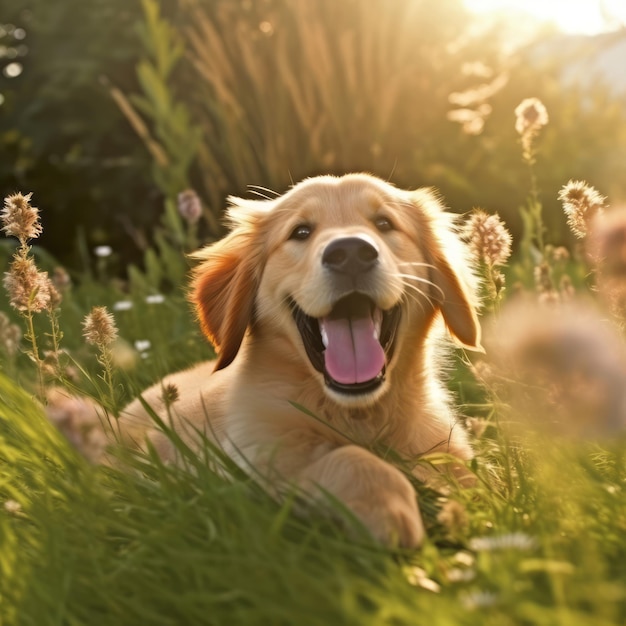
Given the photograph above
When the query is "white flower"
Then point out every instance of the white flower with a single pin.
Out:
(466, 559)
(141, 345)
(419, 578)
(510, 541)
(103, 251)
(458, 575)
(123, 305)
(155, 298)
(479, 599)
(12, 506)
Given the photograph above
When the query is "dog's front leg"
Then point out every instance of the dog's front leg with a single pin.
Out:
(375, 491)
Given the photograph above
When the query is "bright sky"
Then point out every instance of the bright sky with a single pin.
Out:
(572, 16)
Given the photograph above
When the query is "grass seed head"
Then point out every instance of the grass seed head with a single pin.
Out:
(61, 279)
(581, 203)
(189, 206)
(28, 288)
(530, 116)
(488, 238)
(170, 394)
(20, 219)
(99, 327)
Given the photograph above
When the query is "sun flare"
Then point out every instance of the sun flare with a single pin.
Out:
(583, 16)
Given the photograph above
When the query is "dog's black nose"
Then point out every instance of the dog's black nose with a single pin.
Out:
(350, 255)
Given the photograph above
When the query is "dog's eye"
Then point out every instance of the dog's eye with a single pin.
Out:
(301, 232)
(383, 224)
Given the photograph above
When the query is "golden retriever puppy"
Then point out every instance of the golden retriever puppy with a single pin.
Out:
(333, 298)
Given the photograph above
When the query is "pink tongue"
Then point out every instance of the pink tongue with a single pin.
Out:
(353, 354)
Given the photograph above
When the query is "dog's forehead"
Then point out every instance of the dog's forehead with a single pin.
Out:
(335, 200)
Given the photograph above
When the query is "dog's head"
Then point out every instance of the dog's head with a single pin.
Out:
(351, 270)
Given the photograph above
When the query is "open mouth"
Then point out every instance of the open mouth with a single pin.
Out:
(352, 345)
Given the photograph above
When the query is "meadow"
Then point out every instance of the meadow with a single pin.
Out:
(538, 540)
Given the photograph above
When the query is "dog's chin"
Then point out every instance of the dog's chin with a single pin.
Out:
(364, 398)
(351, 348)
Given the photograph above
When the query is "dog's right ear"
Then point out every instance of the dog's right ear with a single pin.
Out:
(451, 276)
(224, 289)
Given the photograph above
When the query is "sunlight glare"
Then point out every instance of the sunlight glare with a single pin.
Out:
(587, 17)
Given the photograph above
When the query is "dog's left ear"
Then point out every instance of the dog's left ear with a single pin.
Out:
(453, 282)
(226, 282)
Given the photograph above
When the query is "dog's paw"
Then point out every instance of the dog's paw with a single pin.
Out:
(377, 493)
(393, 520)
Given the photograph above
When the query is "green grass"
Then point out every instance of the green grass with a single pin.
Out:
(153, 544)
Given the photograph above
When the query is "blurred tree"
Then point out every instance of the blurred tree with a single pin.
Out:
(61, 134)
(278, 90)
(286, 88)
(585, 139)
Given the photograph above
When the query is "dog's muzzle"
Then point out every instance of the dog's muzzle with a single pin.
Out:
(352, 345)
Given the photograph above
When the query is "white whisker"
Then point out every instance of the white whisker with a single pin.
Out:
(262, 192)
(424, 281)
(417, 264)
(416, 294)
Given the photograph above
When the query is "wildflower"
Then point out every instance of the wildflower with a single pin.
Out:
(488, 238)
(418, 577)
(509, 541)
(458, 575)
(99, 327)
(155, 298)
(12, 506)
(103, 251)
(20, 219)
(581, 203)
(530, 116)
(28, 288)
(123, 305)
(543, 278)
(61, 279)
(10, 335)
(170, 394)
(54, 295)
(479, 600)
(189, 206)
(560, 254)
(564, 367)
(472, 122)
(141, 345)
(465, 559)
(51, 364)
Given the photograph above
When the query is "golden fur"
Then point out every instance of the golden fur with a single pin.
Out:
(245, 399)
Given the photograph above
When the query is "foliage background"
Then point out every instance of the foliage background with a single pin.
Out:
(265, 93)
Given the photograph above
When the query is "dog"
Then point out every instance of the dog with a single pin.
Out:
(327, 308)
